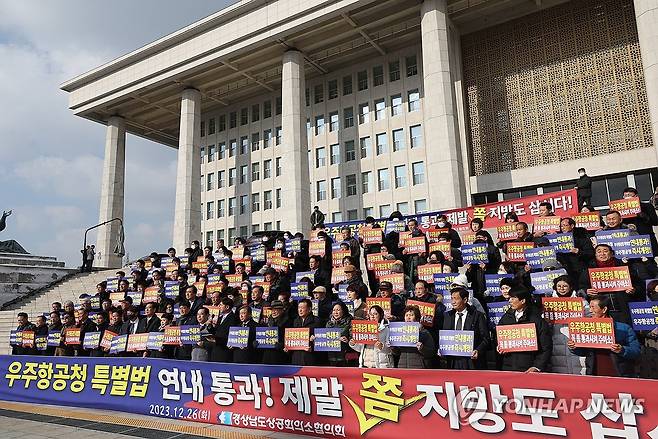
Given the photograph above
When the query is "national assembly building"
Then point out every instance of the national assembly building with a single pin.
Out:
(365, 107)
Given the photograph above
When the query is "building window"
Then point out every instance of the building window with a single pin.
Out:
(318, 91)
(380, 109)
(231, 234)
(244, 204)
(377, 76)
(244, 116)
(352, 215)
(335, 153)
(412, 65)
(277, 165)
(203, 129)
(382, 143)
(335, 187)
(267, 226)
(244, 144)
(211, 153)
(366, 147)
(221, 209)
(396, 105)
(394, 71)
(232, 119)
(348, 116)
(403, 208)
(383, 179)
(267, 138)
(209, 238)
(364, 113)
(267, 169)
(400, 176)
(267, 200)
(233, 146)
(255, 113)
(365, 181)
(211, 181)
(416, 135)
(347, 85)
(279, 105)
(255, 202)
(267, 109)
(211, 126)
(418, 169)
(221, 151)
(210, 210)
(320, 157)
(279, 133)
(307, 95)
(220, 234)
(203, 154)
(413, 97)
(222, 123)
(333, 89)
(255, 171)
(231, 176)
(350, 151)
(350, 185)
(255, 142)
(277, 197)
(337, 217)
(398, 140)
(202, 181)
(362, 80)
(368, 211)
(244, 230)
(221, 179)
(333, 122)
(420, 206)
(385, 210)
(244, 174)
(321, 190)
(231, 206)
(319, 124)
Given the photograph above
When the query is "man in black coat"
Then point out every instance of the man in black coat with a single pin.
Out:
(320, 276)
(521, 311)
(644, 221)
(86, 325)
(184, 352)
(583, 252)
(220, 352)
(150, 322)
(248, 355)
(584, 189)
(306, 319)
(464, 317)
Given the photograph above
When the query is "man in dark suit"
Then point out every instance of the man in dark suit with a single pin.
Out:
(184, 352)
(86, 325)
(464, 317)
(150, 322)
(220, 352)
(132, 321)
(195, 302)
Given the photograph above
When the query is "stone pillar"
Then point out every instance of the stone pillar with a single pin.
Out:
(187, 212)
(295, 192)
(112, 186)
(646, 16)
(447, 185)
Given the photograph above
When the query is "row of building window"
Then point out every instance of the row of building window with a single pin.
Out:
(244, 204)
(220, 124)
(362, 81)
(243, 177)
(233, 148)
(383, 181)
(364, 114)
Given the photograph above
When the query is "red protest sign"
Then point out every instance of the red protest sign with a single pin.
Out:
(316, 247)
(588, 220)
(610, 279)
(467, 237)
(271, 254)
(517, 338)
(72, 336)
(414, 245)
(382, 268)
(28, 339)
(592, 333)
(396, 279)
(234, 280)
(427, 311)
(279, 263)
(383, 302)
(426, 272)
(171, 335)
(506, 232)
(370, 236)
(433, 234)
(443, 247)
(338, 275)
(337, 257)
(371, 258)
(402, 238)
(137, 342)
(627, 207)
(106, 341)
(297, 339)
(546, 224)
(516, 251)
(365, 331)
(150, 295)
(561, 309)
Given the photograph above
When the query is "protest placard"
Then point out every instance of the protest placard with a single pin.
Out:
(456, 343)
(517, 338)
(592, 333)
(297, 339)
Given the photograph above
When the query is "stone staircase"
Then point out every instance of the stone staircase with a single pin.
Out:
(69, 289)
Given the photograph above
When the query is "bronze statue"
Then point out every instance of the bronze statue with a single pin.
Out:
(3, 221)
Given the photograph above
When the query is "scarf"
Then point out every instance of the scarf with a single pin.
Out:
(609, 263)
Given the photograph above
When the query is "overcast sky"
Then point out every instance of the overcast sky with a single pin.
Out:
(50, 160)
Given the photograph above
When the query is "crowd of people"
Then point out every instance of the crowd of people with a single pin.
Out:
(220, 288)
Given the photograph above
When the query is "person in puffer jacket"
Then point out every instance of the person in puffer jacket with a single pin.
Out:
(379, 355)
(563, 359)
(419, 356)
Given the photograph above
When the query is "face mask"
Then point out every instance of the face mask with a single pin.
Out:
(582, 174)
(441, 224)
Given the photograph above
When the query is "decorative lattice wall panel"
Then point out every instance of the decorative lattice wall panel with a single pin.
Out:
(561, 84)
